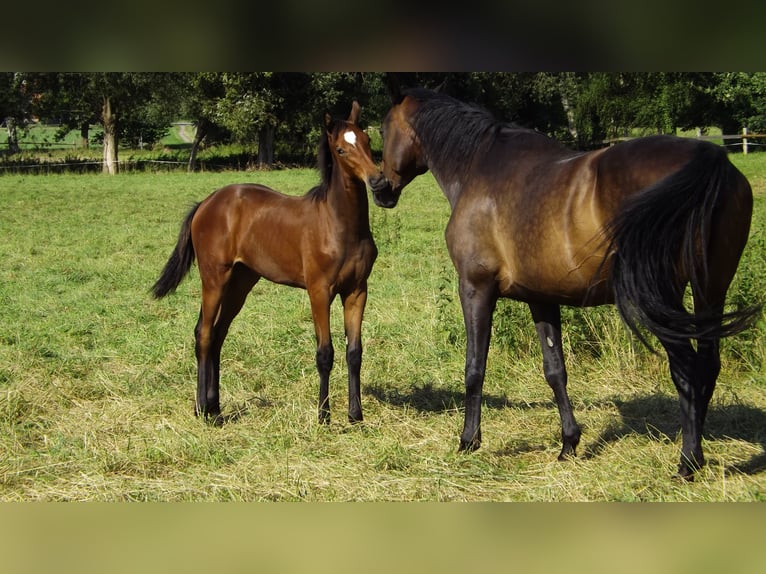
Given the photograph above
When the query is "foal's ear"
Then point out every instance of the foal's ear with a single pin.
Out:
(353, 117)
(328, 121)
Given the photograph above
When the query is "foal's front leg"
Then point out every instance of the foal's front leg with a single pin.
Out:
(353, 312)
(325, 354)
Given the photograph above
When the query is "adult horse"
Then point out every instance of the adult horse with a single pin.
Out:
(531, 220)
(320, 242)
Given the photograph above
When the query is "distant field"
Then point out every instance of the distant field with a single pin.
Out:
(97, 379)
(42, 137)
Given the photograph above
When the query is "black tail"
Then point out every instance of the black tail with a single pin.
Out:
(661, 231)
(180, 260)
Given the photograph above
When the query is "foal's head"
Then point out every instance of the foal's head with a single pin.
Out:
(348, 148)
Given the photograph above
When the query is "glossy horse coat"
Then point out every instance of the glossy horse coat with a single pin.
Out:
(320, 242)
(531, 220)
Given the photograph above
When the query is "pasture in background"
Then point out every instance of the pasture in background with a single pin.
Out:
(97, 379)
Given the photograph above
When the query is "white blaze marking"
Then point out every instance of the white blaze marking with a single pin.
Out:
(350, 137)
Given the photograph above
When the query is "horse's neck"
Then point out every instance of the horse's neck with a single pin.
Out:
(450, 186)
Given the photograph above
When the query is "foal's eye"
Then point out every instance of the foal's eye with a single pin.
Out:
(340, 150)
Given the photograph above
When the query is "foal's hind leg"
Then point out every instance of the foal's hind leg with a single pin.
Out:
(208, 362)
(219, 308)
(325, 355)
(353, 312)
(547, 320)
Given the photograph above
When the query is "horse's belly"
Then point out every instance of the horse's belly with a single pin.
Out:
(558, 284)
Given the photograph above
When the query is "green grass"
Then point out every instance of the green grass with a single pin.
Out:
(97, 379)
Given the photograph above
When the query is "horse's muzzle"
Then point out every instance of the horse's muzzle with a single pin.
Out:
(382, 193)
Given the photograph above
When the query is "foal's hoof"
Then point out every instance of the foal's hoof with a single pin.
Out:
(324, 418)
(355, 418)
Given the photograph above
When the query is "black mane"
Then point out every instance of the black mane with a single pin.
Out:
(324, 165)
(452, 132)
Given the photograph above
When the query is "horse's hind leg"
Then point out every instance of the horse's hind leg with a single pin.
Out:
(547, 320)
(683, 362)
(353, 312)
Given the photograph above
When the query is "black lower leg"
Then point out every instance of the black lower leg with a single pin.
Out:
(354, 363)
(324, 360)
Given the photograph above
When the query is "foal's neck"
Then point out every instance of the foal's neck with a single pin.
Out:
(347, 200)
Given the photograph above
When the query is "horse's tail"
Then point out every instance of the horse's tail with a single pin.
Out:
(180, 260)
(660, 239)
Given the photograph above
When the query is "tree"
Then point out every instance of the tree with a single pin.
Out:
(134, 107)
(279, 113)
(14, 105)
(199, 103)
(739, 100)
(67, 100)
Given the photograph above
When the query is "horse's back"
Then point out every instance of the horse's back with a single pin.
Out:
(631, 166)
(540, 231)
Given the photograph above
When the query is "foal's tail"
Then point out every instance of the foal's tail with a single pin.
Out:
(660, 240)
(180, 260)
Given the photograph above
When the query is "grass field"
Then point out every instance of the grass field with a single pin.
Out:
(97, 379)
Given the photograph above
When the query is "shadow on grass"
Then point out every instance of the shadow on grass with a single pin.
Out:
(655, 416)
(238, 410)
(427, 398)
(658, 417)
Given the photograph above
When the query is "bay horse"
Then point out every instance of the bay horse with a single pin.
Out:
(531, 220)
(320, 242)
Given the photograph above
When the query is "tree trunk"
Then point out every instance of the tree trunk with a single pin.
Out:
(567, 86)
(109, 119)
(202, 129)
(570, 113)
(13, 136)
(84, 134)
(266, 146)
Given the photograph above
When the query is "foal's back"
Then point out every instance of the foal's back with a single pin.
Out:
(259, 227)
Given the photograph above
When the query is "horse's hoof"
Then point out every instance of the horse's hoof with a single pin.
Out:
(213, 419)
(684, 473)
(567, 453)
(355, 418)
(469, 446)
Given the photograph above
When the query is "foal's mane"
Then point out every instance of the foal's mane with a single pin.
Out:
(324, 165)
